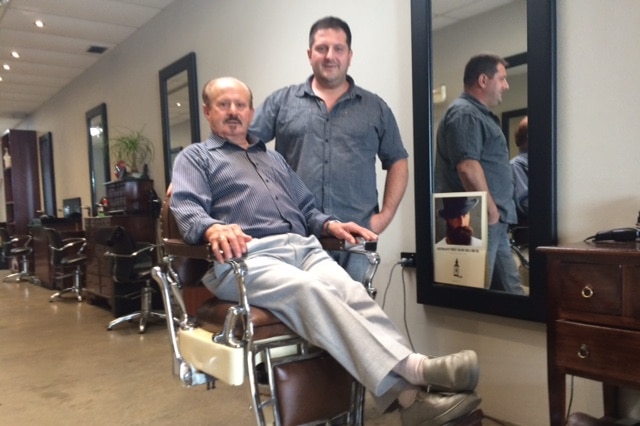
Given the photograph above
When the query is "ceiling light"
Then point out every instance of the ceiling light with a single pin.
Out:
(0, 78)
(15, 54)
(6, 67)
(38, 23)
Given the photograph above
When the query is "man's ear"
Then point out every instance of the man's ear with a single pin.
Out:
(482, 80)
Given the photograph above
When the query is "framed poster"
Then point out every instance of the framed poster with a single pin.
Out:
(460, 238)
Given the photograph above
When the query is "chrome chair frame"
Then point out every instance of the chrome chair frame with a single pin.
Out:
(232, 355)
(18, 247)
(77, 260)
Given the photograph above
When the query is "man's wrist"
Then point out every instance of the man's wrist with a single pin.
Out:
(328, 223)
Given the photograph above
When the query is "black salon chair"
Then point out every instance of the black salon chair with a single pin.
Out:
(17, 247)
(68, 259)
(130, 268)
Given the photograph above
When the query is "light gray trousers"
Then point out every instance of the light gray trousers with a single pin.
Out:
(293, 277)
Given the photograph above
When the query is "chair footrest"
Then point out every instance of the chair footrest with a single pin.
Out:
(220, 361)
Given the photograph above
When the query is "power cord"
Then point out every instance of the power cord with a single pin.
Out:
(402, 263)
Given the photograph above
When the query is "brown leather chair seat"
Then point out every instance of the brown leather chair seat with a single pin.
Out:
(211, 314)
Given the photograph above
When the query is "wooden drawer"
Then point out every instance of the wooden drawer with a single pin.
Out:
(594, 351)
(592, 288)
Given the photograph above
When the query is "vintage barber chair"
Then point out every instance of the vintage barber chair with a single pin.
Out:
(67, 260)
(291, 382)
(131, 273)
(17, 247)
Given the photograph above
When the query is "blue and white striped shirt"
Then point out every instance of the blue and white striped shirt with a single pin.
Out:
(218, 182)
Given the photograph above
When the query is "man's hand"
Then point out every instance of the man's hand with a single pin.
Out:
(227, 241)
(349, 231)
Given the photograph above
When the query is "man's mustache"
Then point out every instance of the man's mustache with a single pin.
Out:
(233, 119)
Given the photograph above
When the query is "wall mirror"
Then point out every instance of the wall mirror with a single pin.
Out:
(47, 174)
(179, 107)
(539, 75)
(98, 141)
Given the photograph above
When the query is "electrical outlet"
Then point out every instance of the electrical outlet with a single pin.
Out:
(408, 259)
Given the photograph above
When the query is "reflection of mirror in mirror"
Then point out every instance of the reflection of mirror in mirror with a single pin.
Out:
(98, 138)
(179, 125)
(441, 48)
(179, 108)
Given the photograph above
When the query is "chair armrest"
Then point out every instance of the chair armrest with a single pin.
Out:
(177, 247)
(20, 240)
(71, 242)
(146, 249)
(331, 243)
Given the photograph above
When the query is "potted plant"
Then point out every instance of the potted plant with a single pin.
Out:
(134, 149)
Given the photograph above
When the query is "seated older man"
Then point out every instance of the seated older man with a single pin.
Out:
(243, 199)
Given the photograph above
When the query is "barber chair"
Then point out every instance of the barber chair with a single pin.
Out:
(67, 260)
(291, 382)
(130, 268)
(17, 247)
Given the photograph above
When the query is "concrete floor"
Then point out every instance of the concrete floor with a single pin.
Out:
(59, 366)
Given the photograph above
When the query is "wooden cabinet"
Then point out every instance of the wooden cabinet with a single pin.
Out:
(21, 179)
(593, 328)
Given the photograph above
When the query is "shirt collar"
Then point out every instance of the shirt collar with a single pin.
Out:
(306, 89)
(217, 142)
(476, 102)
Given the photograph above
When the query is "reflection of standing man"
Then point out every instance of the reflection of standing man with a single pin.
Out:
(330, 131)
(472, 155)
(456, 211)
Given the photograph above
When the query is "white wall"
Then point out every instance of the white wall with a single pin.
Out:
(264, 43)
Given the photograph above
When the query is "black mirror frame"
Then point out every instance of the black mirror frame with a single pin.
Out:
(541, 58)
(99, 111)
(186, 63)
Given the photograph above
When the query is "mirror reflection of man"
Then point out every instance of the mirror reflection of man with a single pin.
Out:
(472, 155)
(456, 212)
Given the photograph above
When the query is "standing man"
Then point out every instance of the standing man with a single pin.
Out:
(330, 131)
(472, 155)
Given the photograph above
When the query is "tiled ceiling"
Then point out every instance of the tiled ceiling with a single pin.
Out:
(447, 12)
(53, 56)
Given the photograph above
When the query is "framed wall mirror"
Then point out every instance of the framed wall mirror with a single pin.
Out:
(99, 166)
(432, 61)
(47, 174)
(179, 107)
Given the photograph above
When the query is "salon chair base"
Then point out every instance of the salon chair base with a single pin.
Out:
(76, 289)
(143, 315)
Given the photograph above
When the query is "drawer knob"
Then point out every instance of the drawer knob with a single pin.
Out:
(587, 292)
(583, 352)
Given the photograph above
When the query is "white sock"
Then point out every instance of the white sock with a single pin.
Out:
(410, 369)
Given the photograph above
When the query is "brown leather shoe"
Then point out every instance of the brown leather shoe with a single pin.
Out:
(438, 409)
(451, 373)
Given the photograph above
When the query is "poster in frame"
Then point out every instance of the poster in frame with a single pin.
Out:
(460, 238)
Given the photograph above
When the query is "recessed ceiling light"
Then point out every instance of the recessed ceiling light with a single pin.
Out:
(6, 67)
(15, 54)
(38, 23)
(96, 49)
(0, 78)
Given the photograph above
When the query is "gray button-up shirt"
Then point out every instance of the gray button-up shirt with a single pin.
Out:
(334, 152)
(470, 131)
